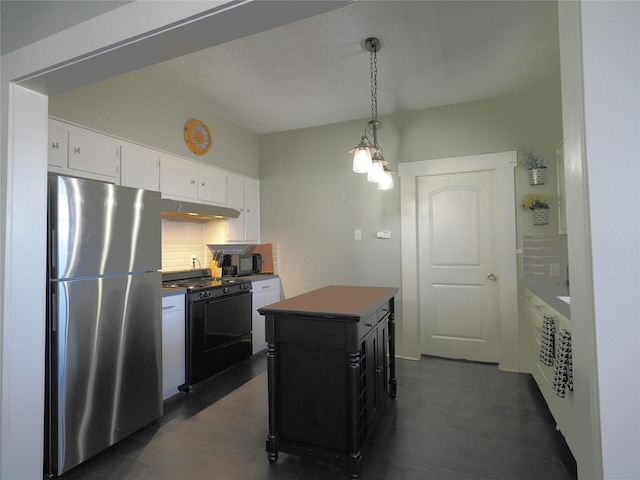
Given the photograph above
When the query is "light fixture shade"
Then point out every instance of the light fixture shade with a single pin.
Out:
(375, 172)
(386, 182)
(362, 160)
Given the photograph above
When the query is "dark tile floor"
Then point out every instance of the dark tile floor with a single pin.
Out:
(451, 420)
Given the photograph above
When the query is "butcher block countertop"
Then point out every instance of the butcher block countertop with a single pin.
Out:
(334, 301)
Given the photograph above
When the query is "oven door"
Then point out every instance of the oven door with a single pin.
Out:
(219, 335)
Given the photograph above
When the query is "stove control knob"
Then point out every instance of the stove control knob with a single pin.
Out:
(225, 290)
(202, 294)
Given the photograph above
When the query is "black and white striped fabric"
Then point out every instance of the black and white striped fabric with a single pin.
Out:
(563, 374)
(547, 341)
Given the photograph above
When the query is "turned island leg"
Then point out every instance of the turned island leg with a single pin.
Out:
(272, 437)
(354, 410)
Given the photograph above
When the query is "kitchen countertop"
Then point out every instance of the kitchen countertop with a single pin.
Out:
(548, 292)
(166, 292)
(261, 276)
(334, 301)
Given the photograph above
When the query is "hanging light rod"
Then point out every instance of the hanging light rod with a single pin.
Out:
(367, 155)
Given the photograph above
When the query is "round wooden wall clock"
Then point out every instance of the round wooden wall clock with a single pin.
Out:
(197, 136)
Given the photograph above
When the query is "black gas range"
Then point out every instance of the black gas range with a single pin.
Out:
(218, 322)
(202, 286)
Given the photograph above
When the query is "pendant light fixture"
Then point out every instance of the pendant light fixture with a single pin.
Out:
(367, 155)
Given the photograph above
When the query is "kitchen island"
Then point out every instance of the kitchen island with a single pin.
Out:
(331, 369)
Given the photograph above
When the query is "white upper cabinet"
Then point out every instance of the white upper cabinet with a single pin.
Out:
(178, 178)
(212, 185)
(80, 152)
(244, 195)
(57, 156)
(139, 167)
(94, 154)
(196, 182)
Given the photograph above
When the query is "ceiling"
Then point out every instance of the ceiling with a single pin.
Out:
(316, 71)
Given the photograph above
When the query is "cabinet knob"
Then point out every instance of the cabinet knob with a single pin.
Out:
(76, 150)
(202, 184)
(55, 145)
(193, 182)
(492, 277)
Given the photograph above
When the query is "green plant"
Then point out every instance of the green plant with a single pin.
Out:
(530, 160)
(533, 201)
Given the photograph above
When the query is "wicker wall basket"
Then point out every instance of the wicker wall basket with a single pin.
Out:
(540, 216)
(537, 176)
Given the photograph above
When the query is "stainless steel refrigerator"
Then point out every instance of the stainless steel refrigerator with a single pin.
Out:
(104, 349)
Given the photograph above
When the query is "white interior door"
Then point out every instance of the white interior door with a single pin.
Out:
(457, 261)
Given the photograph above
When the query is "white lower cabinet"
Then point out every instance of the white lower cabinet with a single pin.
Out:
(173, 344)
(265, 292)
(561, 407)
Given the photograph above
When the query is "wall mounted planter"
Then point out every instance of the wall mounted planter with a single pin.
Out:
(540, 216)
(537, 176)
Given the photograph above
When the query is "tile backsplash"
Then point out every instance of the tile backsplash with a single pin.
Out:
(544, 257)
(182, 237)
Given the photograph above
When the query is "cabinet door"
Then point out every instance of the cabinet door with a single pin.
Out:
(139, 167)
(57, 154)
(251, 210)
(173, 344)
(235, 226)
(244, 195)
(94, 154)
(178, 178)
(265, 292)
(212, 185)
(381, 349)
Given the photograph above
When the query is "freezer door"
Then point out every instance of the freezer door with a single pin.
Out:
(104, 362)
(98, 228)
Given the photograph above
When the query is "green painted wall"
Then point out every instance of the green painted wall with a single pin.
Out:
(132, 108)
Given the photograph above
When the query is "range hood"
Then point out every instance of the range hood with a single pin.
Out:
(196, 210)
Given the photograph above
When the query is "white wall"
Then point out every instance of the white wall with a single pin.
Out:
(601, 93)
(22, 310)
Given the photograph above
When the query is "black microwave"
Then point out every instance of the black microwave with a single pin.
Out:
(239, 264)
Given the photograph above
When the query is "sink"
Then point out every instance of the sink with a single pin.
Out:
(566, 300)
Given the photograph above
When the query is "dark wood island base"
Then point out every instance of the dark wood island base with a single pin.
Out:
(331, 368)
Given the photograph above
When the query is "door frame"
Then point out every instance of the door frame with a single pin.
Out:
(502, 164)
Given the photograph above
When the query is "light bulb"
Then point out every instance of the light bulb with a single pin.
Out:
(375, 172)
(386, 182)
(362, 160)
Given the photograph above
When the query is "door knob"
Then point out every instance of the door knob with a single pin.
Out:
(492, 277)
